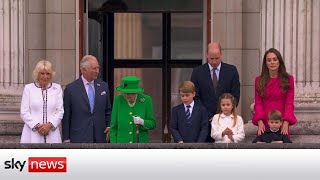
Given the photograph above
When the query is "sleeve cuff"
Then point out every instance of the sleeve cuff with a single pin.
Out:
(36, 127)
(52, 127)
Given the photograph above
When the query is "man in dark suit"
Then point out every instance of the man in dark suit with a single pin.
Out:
(189, 120)
(87, 108)
(213, 79)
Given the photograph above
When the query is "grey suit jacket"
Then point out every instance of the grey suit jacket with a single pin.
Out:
(79, 125)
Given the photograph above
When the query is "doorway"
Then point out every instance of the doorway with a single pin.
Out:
(160, 44)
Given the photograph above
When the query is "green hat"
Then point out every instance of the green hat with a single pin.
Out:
(130, 84)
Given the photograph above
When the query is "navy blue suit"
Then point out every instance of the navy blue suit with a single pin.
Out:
(268, 137)
(79, 125)
(195, 131)
(228, 83)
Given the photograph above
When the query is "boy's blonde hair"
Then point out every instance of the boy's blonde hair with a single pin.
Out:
(187, 87)
(234, 104)
(275, 115)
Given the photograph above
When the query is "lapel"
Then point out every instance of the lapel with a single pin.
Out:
(97, 91)
(182, 112)
(195, 111)
(209, 78)
(83, 92)
(221, 74)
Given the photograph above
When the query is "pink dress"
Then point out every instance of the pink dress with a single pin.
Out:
(274, 99)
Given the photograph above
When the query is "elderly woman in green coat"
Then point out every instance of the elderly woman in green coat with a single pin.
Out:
(132, 113)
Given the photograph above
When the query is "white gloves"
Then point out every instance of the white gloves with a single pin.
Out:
(138, 120)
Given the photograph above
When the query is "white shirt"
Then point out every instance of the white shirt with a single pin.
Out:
(86, 85)
(220, 122)
(190, 109)
(217, 71)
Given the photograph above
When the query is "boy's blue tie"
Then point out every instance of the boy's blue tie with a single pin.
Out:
(91, 96)
(188, 114)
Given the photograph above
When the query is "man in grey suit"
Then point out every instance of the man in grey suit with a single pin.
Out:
(87, 106)
(213, 79)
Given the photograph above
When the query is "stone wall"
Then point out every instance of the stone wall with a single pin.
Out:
(236, 25)
(51, 35)
(32, 30)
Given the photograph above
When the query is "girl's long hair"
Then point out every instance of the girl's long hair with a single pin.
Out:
(265, 76)
(234, 103)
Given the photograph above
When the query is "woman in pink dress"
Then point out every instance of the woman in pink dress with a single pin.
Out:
(274, 89)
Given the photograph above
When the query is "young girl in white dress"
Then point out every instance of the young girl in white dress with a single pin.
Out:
(227, 126)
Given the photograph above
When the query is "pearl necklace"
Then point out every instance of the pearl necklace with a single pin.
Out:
(131, 104)
(134, 102)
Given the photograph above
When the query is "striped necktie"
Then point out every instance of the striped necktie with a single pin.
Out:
(188, 113)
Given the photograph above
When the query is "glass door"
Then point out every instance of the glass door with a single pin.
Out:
(160, 47)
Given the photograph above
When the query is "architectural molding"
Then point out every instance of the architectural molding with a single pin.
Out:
(293, 27)
(11, 47)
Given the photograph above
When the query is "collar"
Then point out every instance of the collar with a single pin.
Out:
(271, 131)
(85, 82)
(218, 68)
(191, 104)
(37, 85)
(223, 115)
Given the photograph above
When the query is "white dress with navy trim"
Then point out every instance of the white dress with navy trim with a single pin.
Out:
(41, 106)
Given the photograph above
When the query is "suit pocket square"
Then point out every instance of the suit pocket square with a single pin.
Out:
(103, 93)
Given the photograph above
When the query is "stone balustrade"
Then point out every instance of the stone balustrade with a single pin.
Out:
(162, 146)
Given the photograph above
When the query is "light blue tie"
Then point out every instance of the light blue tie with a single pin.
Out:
(91, 96)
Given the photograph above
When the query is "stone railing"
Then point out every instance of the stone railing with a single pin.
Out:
(162, 146)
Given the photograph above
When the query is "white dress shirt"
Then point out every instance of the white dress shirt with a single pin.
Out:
(217, 71)
(190, 109)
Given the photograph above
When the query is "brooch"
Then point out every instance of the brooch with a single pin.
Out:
(142, 99)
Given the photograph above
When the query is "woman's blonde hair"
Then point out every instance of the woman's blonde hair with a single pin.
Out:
(43, 65)
(234, 104)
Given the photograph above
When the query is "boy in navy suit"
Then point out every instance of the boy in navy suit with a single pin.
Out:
(189, 120)
(273, 134)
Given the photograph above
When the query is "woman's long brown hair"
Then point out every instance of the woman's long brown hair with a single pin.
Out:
(265, 76)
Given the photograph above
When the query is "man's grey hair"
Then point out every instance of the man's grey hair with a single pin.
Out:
(84, 63)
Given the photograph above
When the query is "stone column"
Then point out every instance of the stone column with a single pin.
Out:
(11, 47)
(11, 57)
(293, 27)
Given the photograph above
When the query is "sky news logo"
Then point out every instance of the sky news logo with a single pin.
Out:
(39, 164)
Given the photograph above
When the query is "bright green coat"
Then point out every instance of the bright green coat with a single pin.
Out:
(122, 127)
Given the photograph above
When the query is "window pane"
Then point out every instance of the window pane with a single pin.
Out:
(178, 75)
(94, 43)
(146, 5)
(138, 36)
(186, 36)
(148, 78)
